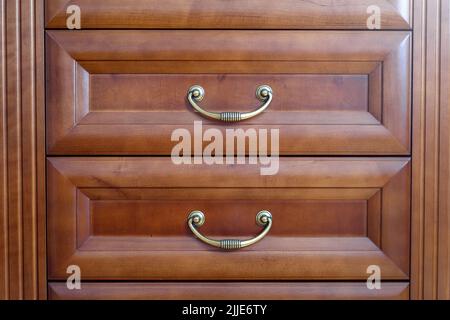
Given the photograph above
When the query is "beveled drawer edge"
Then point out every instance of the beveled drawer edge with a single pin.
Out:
(229, 291)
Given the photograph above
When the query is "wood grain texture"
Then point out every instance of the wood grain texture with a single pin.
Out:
(444, 158)
(228, 45)
(22, 220)
(23, 155)
(430, 267)
(89, 198)
(418, 159)
(432, 100)
(4, 272)
(216, 14)
(228, 291)
(100, 102)
(14, 153)
(41, 150)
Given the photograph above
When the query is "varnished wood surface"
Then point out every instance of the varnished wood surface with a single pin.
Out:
(228, 45)
(418, 163)
(444, 160)
(430, 262)
(229, 291)
(22, 184)
(216, 14)
(125, 219)
(336, 92)
(429, 245)
(4, 279)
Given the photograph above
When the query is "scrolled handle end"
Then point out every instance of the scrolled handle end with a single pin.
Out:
(263, 92)
(263, 217)
(197, 217)
(197, 92)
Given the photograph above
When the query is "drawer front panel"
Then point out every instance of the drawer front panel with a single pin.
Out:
(125, 92)
(229, 291)
(216, 14)
(126, 219)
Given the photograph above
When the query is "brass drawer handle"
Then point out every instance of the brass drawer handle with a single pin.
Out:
(263, 93)
(263, 219)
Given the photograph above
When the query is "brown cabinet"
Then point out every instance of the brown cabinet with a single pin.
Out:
(123, 93)
(87, 120)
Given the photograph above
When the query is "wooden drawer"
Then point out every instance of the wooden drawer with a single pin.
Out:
(219, 14)
(126, 219)
(228, 291)
(124, 92)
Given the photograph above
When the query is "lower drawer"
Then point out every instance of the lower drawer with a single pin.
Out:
(126, 219)
(228, 291)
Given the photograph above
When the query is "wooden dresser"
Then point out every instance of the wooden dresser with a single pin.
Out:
(362, 117)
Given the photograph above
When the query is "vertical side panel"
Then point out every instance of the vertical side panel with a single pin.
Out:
(33, 128)
(40, 145)
(444, 171)
(4, 286)
(14, 156)
(431, 148)
(418, 161)
(28, 79)
(430, 214)
(22, 219)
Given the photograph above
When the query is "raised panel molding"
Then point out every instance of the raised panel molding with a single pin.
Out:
(22, 152)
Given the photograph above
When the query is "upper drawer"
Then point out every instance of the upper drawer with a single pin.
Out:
(125, 92)
(234, 14)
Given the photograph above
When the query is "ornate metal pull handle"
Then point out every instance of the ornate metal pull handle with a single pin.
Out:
(263, 219)
(263, 93)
